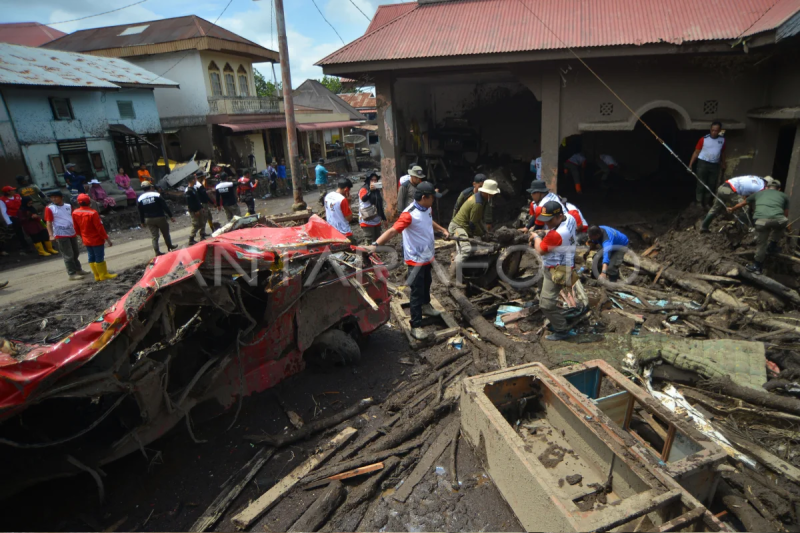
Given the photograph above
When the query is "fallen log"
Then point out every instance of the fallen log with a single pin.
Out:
(365, 459)
(266, 501)
(231, 490)
(754, 493)
(716, 279)
(724, 385)
(439, 387)
(402, 398)
(367, 438)
(769, 460)
(742, 509)
(312, 427)
(457, 354)
(321, 509)
(481, 325)
(766, 282)
(425, 464)
(453, 454)
(408, 429)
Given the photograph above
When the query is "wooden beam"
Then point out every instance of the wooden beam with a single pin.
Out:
(427, 461)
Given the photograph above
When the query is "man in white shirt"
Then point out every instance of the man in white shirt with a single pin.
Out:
(575, 166)
(337, 208)
(730, 193)
(58, 218)
(710, 157)
(607, 165)
(536, 167)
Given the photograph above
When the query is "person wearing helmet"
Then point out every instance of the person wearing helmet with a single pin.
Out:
(469, 223)
(90, 229)
(337, 208)
(61, 228)
(245, 192)
(153, 213)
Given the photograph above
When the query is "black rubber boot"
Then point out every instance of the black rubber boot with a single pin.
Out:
(704, 228)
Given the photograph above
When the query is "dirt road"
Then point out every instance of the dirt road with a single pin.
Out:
(46, 276)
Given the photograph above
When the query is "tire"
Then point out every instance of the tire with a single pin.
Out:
(334, 348)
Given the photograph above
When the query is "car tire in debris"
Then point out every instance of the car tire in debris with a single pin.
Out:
(333, 347)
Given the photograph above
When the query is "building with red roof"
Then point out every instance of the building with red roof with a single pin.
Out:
(28, 33)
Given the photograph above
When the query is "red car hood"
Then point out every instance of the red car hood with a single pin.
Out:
(25, 376)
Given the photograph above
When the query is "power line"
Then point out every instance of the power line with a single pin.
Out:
(359, 10)
(98, 14)
(326, 20)
(755, 21)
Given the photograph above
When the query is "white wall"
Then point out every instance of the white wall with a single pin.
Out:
(33, 117)
(191, 100)
(144, 107)
(220, 59)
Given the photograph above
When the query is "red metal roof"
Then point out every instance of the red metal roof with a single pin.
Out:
(468, 27)
(28, 33)
(359, 100)
(388, 13)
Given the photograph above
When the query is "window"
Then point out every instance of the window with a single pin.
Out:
(58, 167)
(98, 165)
(126, 109)
(216, 84)
(607, 108)
(710, 107)
(243, 85)
(230, 83)
(62, 109)
(134, 30)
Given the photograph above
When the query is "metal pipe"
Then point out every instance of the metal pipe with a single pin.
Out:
(288, 105)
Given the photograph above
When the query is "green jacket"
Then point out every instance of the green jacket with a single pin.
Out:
(769, 203)
(466, 194)
(470, 216)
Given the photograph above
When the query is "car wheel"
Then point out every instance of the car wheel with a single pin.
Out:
(334, 347)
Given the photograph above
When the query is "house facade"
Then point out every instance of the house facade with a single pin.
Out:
(444, 85)
(59, 107)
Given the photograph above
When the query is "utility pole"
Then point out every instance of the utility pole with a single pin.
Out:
(288, 104)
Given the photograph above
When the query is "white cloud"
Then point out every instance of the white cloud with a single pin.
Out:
(345, 12)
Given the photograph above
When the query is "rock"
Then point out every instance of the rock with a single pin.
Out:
(574, 479)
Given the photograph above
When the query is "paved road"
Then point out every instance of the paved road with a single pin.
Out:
(40, 278)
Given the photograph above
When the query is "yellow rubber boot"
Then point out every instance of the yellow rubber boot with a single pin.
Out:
(96, 272)
(40, 249)
(48, 245)
(102, 268)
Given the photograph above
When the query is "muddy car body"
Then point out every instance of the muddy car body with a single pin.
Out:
(219, 320)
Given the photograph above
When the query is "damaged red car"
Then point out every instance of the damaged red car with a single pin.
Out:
(217, 321)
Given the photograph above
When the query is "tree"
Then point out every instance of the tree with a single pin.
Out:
(332, 83)
(267, 89)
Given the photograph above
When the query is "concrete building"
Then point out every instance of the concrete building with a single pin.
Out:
(447, 85)
(214, 68)
(60, 107)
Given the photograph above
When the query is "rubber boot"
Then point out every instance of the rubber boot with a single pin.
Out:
(705, 227)
(102, 268)
(96, 272)
(48, 245)
(578, 188)
(40, 249)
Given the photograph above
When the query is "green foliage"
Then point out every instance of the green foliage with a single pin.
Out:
(267, 89)
(332, 83)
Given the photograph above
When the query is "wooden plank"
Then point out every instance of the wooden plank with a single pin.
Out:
(501, 357)
(402, 320)
(300, 215)
(447, 317)
(231, 490)
(771, 461)
(267, 500)
(444, 334)
(319, 511)
(360, 471)
(363, 292)
(426, 463)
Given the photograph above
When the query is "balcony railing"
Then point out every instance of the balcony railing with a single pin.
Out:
(244, 105)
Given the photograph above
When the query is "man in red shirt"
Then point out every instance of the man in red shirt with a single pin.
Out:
(93, 234)
(61, 228)
(13, 203)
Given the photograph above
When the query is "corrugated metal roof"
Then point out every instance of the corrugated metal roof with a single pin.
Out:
(387, 13)
(156, 32)
(469, 27)
(359, 100)
(22, 65)
(28, 33)
(312, 93)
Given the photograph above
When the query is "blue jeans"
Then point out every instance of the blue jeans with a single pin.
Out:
(97, 254)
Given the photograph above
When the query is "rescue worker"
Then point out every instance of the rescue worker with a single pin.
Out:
(245, 192)
(728, 195)
(580, 220)
(536, 167)
(61, 229)
(196, 211)
(575, 165)
(477, 183)
(370, 207)
(337, 208)
(153, 213)
(416, 224)
(614, 244)
(771, 214)
(405, 195)
(607, 165)
(540, 195)
(13, 203)
(557, 248)
(202, 194)
(468, 223)
(406, 177)
(28, 190)
(31, 223)
(226, 197)
(89, 228)
(322, 175)
(710, 157)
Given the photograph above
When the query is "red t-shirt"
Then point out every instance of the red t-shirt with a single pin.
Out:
(89, 226)
(13, 203)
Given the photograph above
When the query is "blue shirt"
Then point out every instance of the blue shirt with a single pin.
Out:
(282, 171)
(74, 181)
(322, 175)
(612, 240)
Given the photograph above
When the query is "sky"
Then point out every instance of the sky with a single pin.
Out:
(310, 37)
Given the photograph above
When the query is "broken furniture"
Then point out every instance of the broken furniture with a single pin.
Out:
(684, 453)
(561, 463)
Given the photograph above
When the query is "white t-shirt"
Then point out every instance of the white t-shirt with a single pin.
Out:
(608, 160)
(710, 149)
(4, 213)
(334, 215)
(563, 253)
(746, 185)
(62, 220)
(577, 159)
(536, 167)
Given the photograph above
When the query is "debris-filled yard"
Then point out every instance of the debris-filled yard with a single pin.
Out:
(674, 407)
